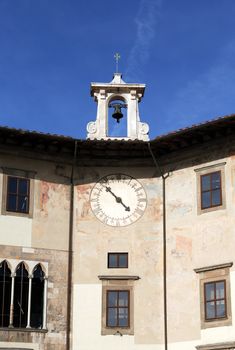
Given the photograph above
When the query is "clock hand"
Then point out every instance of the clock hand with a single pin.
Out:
(118, 199)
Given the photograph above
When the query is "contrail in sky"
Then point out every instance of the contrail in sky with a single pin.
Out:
(146, 19)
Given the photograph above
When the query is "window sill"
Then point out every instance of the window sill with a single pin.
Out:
(14, 329)
(117, 331)
(16, 213)
(118, 277)
(219, 322)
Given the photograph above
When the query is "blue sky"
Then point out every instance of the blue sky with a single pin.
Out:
(50, 51)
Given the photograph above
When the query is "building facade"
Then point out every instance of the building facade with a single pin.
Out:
(118, 242)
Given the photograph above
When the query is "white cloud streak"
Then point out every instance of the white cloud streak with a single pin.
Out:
(146, 19)
(210, 95)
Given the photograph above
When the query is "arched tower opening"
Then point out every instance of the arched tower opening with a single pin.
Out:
(117, 117)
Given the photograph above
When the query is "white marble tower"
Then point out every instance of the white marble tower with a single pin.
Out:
(130, 95)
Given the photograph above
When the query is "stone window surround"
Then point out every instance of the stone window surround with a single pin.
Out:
(204, 171)
(28, 174)
(212, 274)
(117, 283)
(30, 265)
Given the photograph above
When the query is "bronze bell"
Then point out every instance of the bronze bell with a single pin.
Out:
(117, 114)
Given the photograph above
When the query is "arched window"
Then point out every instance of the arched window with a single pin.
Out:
(21, 293)
(5, 294)
(36, 317)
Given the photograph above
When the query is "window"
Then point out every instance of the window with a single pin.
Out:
(117, 308)
(211, 188)
(211, 195)
(37, 295)
(27, 293)
(117, 260)
(21, 294)
(17, 194)
(215, 300)
(117, 304)
(5, 294)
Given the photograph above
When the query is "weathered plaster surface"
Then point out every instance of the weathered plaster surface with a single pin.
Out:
(48, 227)
(192, 241)
(51, 215)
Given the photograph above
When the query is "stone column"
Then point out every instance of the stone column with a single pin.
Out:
(102, 115)
(29, 301)
(132, 115)
(44, 325)
(12, 300)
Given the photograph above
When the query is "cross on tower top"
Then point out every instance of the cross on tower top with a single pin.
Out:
(117, 58)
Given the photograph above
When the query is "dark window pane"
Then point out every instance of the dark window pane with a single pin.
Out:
(17, 195)
(23, 186)
(215, 180)
(112, 260)
(220, 290)
(210, 294)
(11, 202)
(123, 298)
(206, 200)
(123, 260)
(38, 273)
(36, 317)
(216, 198)
(12, 184)
(5, 294)
(210, 310)
(22, 204)
(112, 317)
(118, 260)
(211, 190)
(206, 182)
(220, 308)
(112, 298)
(21, 297)
(123, 317)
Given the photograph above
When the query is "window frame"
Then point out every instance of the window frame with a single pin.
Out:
(17, 194)
(214, 301)
(118, 260)
(215, 273)
(21, 174)
(210, 169)
(117, 307)
(211, 190)
(30, 267)
(114, 285)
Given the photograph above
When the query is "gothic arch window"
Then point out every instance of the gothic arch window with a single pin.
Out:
(21, 293)
(23, 296)
(117, 117)
(37, 297)
(5, 294)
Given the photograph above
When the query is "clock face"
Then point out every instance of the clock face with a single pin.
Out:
(118, 200)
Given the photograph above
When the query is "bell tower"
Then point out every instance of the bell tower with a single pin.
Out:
(120, 96)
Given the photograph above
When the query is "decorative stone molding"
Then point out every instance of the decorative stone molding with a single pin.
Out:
(91, 128)
(213, 267)
(143, 128)
(217, 346)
